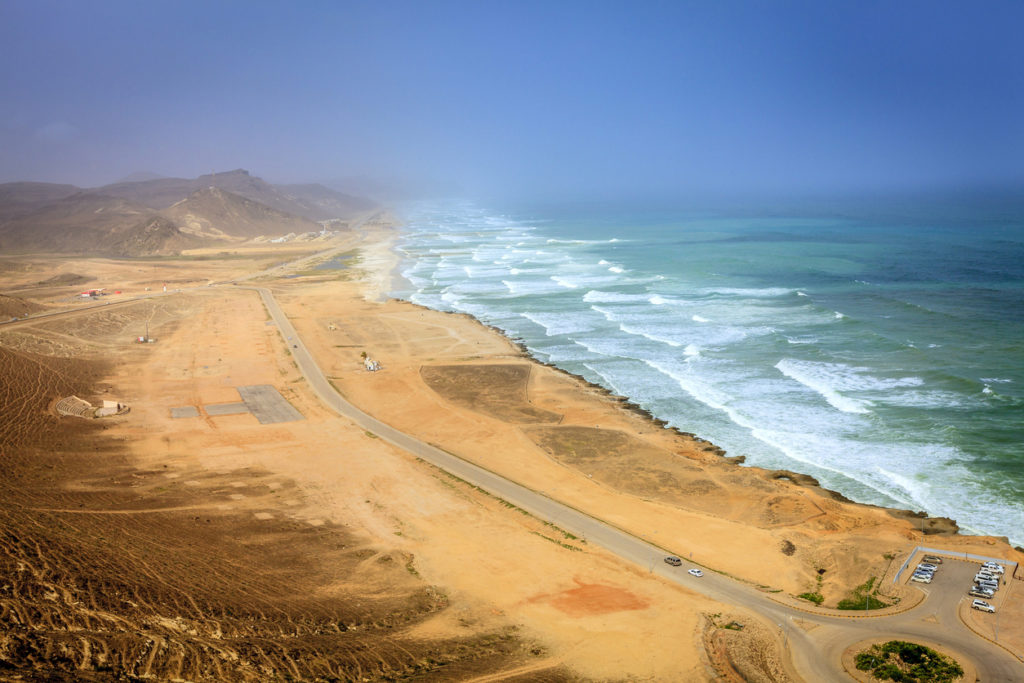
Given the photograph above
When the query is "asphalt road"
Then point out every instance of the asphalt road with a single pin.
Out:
(815, 642)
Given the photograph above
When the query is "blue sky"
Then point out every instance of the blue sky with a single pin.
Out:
(520, 98)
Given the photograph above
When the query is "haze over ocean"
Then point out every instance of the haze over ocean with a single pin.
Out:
(884, 356)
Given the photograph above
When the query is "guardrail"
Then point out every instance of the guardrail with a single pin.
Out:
(953, 554)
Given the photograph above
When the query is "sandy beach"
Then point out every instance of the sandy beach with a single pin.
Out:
(570, 609)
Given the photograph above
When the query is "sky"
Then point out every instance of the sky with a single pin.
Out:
(520, 98)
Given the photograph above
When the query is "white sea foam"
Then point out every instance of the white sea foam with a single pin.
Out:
(564, 282)
(692, 350)
(616, 269)
(561, 323)
(815, 377)
(996, 380)
(602, 262)
(700, 319)
(766, 292)
(839, 316)
(597, 296)
(830, 379)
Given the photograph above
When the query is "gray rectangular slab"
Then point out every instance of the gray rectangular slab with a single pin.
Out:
(268, 405)
(184, 411)
(226, 409)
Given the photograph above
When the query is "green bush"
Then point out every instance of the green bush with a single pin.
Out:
(816, 598)
(903, 662)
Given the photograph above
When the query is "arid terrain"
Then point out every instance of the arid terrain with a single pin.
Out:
(195, 539)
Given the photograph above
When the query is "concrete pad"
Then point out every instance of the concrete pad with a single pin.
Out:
(226, 409)
(268, 405)
(184, 411)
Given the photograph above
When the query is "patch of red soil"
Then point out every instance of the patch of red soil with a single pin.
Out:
(589, 599)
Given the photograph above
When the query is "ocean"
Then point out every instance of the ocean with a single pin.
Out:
(881, 354)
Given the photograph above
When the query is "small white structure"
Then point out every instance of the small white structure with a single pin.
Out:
(371, 365)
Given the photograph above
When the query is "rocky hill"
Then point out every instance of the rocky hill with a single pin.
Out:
(218, 214)
(162, 215)
(313, 202)
(81, 223)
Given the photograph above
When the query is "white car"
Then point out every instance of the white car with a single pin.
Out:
(927, 565)
(696, 572)
(993, 567)
(982, 605)
(921, 579)
(982, 593)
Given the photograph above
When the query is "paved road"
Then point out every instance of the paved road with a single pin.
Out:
(815, 642)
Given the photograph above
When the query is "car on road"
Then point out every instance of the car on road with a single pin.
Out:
(696, 572)
(982, 605)
(673, 560)
(921, 579)
(934, 559)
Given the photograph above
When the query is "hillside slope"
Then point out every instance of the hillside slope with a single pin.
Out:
(218, 214)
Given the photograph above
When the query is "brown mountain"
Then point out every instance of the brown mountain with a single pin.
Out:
(161, 215)
(313, 202)
(218, 214)
(18, 199)
(87, 223)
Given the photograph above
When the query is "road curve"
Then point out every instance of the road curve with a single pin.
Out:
(815, 642)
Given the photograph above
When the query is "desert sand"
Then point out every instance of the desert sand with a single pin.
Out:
(314, 521)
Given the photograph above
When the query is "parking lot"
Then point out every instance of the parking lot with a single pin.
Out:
(950, 586)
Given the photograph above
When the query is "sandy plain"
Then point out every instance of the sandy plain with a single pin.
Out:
(470, 588)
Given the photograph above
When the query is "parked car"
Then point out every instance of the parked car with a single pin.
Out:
(994, 567)
(982, 593)
(926, 565)
(696, 572)
(673, 560)
(934, 559)
(989, 585)
(921, 579)
(982, 605)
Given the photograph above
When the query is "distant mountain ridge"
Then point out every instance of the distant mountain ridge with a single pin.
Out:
(314, 202)
(162, 215)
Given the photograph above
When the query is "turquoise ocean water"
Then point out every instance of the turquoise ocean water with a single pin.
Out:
(884, 356)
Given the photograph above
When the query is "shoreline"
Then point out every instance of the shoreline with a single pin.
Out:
(927, 524)
(937, 526)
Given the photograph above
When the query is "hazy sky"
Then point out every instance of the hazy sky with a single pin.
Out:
(519, 97)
